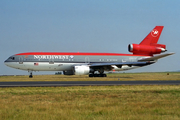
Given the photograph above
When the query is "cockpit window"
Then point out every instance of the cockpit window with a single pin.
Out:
(12, 58)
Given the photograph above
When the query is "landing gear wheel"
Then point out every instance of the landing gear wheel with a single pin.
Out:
(97, 75)
(104, 75)
(91, 75)
(30, 76)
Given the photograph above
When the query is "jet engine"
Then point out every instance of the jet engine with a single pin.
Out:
(147, 49)
(78, 70)
(81, 70)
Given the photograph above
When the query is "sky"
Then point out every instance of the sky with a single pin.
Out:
(87, 26)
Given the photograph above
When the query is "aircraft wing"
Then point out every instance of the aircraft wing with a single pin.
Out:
(155, 57)
(141, 62)
(120, 64)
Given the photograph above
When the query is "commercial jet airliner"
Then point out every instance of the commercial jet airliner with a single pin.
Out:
(92, 64)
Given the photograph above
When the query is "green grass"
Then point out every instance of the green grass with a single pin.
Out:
(111, 77)
(89, 103)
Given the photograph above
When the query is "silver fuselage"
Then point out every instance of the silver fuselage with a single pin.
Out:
(66, 61)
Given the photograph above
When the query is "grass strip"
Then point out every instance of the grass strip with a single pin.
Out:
(91, 102)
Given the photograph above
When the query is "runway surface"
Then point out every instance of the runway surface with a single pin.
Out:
(84, 83)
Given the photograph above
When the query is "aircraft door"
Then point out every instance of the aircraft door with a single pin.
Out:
(20, 60)
(51, 61)
(87, 60)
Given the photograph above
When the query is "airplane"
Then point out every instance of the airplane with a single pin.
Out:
(92, 64)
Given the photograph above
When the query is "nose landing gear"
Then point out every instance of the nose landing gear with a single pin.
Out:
(30, 74)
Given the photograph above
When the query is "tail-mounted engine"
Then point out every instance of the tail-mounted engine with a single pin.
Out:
(147, 49)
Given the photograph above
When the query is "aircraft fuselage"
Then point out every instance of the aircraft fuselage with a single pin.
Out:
(65, 61)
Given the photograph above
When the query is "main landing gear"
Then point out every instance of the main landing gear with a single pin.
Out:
(97, 75)
(30, 74)
(100, 71)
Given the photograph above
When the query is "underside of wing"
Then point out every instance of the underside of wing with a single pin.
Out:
(110, 66)
(122, 63)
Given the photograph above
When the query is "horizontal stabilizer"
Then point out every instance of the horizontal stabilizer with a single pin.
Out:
(155, 57)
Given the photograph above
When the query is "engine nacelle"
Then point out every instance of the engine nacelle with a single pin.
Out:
(158, 45)
(147, 49)
(81, 70)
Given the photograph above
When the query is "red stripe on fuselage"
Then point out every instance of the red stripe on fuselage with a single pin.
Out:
(69, 53)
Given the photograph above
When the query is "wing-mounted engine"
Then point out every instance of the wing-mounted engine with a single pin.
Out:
(81, 70)
(78, 70)
(147, 49)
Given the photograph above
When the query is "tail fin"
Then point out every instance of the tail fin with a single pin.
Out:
(149, 45)
(153, 36)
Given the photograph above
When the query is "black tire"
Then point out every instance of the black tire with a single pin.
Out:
(91, 75)
(30, 76)
(102, 75)
(96, 75)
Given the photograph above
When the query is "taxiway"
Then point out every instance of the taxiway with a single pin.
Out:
(84, 83)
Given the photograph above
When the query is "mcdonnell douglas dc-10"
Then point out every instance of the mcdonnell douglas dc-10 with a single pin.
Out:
(92, 64)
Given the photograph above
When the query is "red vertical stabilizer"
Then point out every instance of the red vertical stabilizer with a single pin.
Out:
(153, 36)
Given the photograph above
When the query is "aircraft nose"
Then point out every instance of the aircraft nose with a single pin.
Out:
(10, 61)
(6, 62)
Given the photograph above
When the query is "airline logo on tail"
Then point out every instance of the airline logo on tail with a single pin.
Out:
(153, 36)
(154, 33)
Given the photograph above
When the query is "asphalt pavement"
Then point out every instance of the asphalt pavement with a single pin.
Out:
(84, 83)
